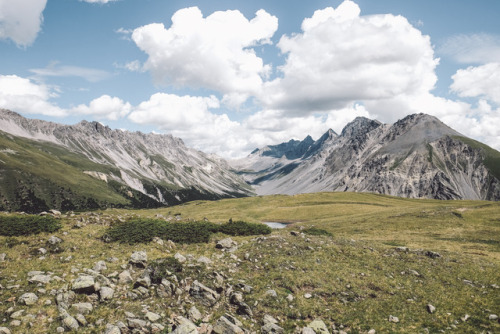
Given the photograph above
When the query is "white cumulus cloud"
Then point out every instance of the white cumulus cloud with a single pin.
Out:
(104, 107)
(24, 96)
(481, 81)
(342, 57)
(20, 20)
(213, 52)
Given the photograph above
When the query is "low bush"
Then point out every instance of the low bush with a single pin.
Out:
(316, 231)
(244, 228)
(12, 226)
(141, 230)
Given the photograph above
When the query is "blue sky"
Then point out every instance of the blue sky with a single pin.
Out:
(229, 76)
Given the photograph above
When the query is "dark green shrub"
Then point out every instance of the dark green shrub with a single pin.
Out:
(162, 268)
(316, 231)
(243, 228)
(27, 225)
(144, 230)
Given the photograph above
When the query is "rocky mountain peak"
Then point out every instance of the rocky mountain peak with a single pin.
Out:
(360, 125)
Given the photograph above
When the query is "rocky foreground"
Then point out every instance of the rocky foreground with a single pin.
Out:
(289, 282)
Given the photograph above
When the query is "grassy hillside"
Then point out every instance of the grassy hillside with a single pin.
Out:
(491, 156)
(466, 226)
(37, 176)
(384, 257)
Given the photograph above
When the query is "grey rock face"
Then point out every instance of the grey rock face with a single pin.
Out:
(416, 157)
(138, 157)
(203, 294)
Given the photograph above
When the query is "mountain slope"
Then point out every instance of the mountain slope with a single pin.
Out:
(416, 157)
(88, 165)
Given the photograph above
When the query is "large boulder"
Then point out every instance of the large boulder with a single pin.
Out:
(84, 284)
(139, 259)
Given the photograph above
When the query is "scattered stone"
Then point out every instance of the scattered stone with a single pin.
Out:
(83, 308)
(184, 326)
(84, 284)
(159, 241)
(17, 314)
(402, 249)
(179, 257)
(53, 240)
(60, 330)
(493, 317)
(294, 233)
(144, 280)
(433, 255)
(430, 308)
(4, 330)
(42, 251)
(414, 272)
(111, 329)
(271, 328)
(307, 296)
(153, 317)
(226, 243)
(39, 278)
(15, 323)
(319, 327)
(70, 323)
(289, 297)
(205, 260)
(205, 295)
(269, 319)
(465, 318)
(100, 266)
(139, 259)
(81, 319)
(228, 324)
(393, 319)
(124, 277)
(194, 314)
(271, 293)
(55, 212)
(28, 298)
(136, 323)
(106, 293)
(308, 330)
(372, 331)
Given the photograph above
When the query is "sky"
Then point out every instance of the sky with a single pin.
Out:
(231, 76)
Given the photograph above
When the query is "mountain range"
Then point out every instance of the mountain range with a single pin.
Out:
(416, 157)
(45, 165)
